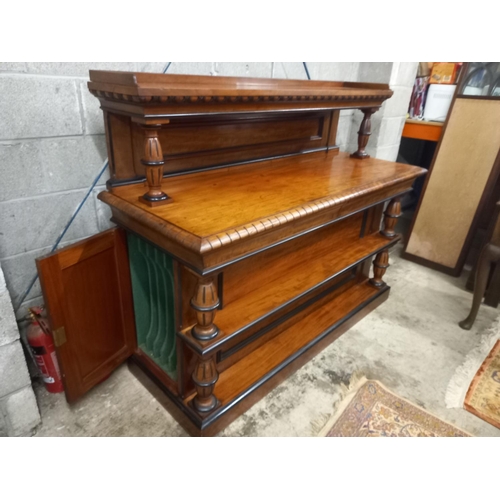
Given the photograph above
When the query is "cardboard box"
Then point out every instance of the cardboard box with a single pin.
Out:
(443, 73)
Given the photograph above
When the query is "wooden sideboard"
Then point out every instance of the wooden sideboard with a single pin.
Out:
(244, 242)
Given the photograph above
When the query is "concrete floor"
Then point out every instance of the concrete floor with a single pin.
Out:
(412, 344)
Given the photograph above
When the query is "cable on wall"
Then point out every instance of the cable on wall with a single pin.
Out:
(307, 71)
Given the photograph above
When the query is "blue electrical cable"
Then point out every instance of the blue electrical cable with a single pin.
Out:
(64, 231)
(307, 71)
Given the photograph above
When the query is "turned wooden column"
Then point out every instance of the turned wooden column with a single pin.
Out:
(205, 303)
(205, 376)
(153, 161)
(380, 265)
(365, 130)
(391, 216)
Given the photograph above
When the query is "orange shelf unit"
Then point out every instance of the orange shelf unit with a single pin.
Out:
(427, 131)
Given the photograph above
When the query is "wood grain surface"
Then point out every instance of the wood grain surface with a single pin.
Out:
(220, 207)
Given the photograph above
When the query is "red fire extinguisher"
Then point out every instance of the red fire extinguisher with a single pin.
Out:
(42, 347)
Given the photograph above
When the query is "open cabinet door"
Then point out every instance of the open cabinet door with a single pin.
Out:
(88, 297)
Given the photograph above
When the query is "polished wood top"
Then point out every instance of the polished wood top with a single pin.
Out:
(153, 98)
(225, 205)
(152, 85)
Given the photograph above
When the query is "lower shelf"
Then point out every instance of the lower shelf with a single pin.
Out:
(289, 343)
(250, 379)
(293, 286)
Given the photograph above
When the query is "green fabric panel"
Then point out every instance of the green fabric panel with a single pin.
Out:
(154, 302)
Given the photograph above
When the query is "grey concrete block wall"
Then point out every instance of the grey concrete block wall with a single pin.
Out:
(52, 146)
(52, 165)
(8, 330)
(20, 412)
(18, 409)
(35, 106)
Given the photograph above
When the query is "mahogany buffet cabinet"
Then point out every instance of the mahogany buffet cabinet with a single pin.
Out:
(243, 245)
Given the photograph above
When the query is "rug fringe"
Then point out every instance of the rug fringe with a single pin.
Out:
(462, 378)
(323, 423)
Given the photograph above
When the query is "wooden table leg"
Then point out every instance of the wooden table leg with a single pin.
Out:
(489, 255)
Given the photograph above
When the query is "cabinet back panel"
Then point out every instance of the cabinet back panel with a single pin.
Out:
(194, 143)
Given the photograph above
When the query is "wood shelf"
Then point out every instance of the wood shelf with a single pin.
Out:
(297, 277)
(313, 188)
(250, 372)
(317, 180)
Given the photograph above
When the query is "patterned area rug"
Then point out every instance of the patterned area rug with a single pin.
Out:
(483, 396)
(464, 374)
(371, 410)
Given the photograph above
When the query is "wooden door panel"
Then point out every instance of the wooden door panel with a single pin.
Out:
(88, 297)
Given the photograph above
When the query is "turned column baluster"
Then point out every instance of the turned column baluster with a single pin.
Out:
(205, 302)
(391, 216)
(153, 161)
(380, 265)
(205, 376)
(365, 130)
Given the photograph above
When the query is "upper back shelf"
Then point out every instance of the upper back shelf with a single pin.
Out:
(159, 124)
